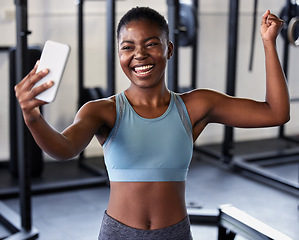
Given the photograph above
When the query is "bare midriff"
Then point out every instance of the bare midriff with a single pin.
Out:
(147, 205)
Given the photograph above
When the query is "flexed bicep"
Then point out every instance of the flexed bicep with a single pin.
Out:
(243, 112)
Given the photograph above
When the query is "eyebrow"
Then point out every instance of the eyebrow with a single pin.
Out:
(132, 42)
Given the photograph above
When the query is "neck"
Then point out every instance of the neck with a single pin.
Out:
(148, 96)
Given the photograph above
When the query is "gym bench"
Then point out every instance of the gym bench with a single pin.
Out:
(233, 221)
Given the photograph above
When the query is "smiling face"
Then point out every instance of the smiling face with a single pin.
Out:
(143, 53)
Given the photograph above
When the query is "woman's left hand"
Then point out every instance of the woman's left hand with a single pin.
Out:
(270, 26)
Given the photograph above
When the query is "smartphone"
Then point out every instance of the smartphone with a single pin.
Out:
(54, 57)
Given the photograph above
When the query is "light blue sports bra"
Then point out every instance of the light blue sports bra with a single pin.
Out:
(149, 150)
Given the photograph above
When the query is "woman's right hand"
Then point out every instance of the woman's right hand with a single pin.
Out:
(26, 94)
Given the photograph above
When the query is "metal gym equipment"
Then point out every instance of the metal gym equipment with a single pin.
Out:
(183, 31)
(293, 29)
(253, 164)
(290, 14)
(21, 227)
(231, 222)
(256, 163)
(88, 94)
(36, 155)
(23, 148)
(227, 143)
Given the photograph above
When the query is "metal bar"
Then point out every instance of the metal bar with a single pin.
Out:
(9, 218)
(203, 216)
(173, 22)
(254, 165)
(231, 73)
(281, 132)
(280, 182)
(110, 47)
(24, 235)
(215, 154)
(11, 222)
(241, 223)
(253, 35)
(4, 48)
(23, 155)
(194, 51)
(80, 51)
(80, 61)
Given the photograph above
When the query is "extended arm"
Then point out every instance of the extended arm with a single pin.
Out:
(72, 140)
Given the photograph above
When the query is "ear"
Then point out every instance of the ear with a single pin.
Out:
(170, 50)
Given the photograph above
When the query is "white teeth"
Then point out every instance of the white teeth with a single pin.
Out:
(143, 73)
(142, 68)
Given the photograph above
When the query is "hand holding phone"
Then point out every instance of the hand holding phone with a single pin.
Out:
(54, 58)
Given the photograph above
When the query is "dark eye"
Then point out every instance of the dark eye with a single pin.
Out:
(151, 44)
(127, 48)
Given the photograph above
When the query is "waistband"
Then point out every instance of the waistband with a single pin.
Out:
(112, 229)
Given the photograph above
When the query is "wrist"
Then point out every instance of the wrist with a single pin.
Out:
(31, 119)
(269, 44)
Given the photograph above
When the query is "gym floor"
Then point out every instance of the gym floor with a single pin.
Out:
(77, 213)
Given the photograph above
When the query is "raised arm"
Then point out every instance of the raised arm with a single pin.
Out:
(206, 106)
(277, 96)
(72, 140)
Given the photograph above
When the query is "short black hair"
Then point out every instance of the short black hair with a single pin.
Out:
(144, 13)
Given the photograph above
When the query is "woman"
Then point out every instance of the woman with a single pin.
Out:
(147, 131)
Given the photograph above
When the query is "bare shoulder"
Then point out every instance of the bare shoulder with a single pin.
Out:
(103, 110)
(100, 104)
(200, 103)
(200, 96)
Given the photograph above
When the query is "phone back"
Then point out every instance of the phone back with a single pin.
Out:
(54, 57)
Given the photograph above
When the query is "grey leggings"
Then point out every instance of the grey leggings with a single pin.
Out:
(112, 229)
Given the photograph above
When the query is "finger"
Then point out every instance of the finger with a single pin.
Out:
(264, 24)
(25, 91)
(28, 77)
(273, 17)
(31, 73)
(276, 20)
(32, 80)
(27, 95)
(265, 16)
(37, 90)
(34, 69)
